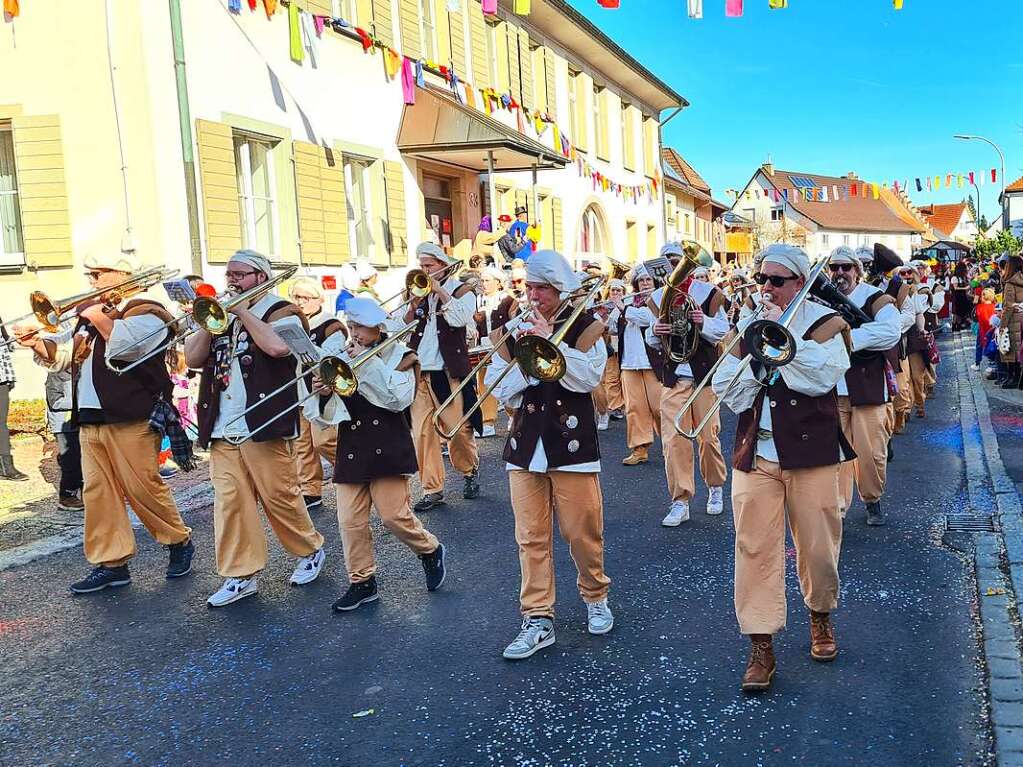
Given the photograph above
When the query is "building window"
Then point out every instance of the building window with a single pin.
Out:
(591, 242)
(573, 104)
(428, 29)
(253, 159)
(750, 214)
(12, 245)
(359, 192)
(824, 240)
(777, 214)
(845, 239)
(347, 10)
(688, 227)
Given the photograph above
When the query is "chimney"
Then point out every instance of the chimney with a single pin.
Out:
(769, 168)
(851, 176)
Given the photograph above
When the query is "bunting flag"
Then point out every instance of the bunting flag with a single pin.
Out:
(12, 8)
(994, 176)
(775, 4)
(897, 4)
(733, 8)
(918, 187)
(971, 178)
(522, 7)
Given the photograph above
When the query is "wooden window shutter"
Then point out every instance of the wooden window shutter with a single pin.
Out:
(382, 28)
(440, 15)
(318, 7)
(514, 75)
(322, 209)
(557, 224)
(583, 92)
(526, 71)
(397, 235)
(478, 38)
(456, 25)
(411, 40)
(42, 192)
(629, 137)
(219, 190)
(650, 151)
(552, 93)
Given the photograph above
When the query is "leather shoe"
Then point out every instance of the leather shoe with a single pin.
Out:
(761, 665)
(637, 456)
(823, 647)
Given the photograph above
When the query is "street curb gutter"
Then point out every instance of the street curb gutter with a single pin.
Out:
(996, 596)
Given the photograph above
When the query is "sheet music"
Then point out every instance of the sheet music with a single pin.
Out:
(297, 340)
(659, 268)
(179, 291)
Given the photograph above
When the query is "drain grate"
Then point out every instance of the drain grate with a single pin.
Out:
(969, 523)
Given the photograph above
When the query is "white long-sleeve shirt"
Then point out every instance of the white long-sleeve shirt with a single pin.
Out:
(458, 313)
(714, 327)
(584, 371)
(880, 335)
(816, 370)
(380, 382)
(637, 320)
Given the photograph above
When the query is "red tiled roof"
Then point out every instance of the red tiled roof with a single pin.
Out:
(684, 170)
(943, 218)
(857, 214)
(1015, 186)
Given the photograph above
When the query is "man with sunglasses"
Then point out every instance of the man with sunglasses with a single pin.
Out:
(863, 391)
(240, 367)
(788, 448)
(119, 447)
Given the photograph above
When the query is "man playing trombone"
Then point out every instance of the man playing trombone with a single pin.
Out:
(439, 340)
(552, 453)
(252, 456)
(788, 447)
(119, 447)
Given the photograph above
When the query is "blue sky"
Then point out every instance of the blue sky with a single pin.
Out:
(831, 86)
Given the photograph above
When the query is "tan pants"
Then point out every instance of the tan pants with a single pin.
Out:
(120, 462)
(580, 508)
(918, 379)
(678, 450)
(612, 384)
(759, 502)
(461, 449)
(867, 429)
(391, 497)
(247, 473)
(489, 408)
(642, 406)
(314, 442)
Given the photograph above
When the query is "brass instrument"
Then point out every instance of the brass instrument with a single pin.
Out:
(538, 357)
(680, 345)
(418, 285)
(618, 272)
(770, 343)
(338, 374)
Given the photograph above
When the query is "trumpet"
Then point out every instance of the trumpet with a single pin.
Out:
(637, 294)
(538, 357)
(770, 343)
(336, 373)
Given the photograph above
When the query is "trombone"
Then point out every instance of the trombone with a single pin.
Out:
(51, 315)
(770, 343)
(339, 375)
(538, 357)
(418, 285)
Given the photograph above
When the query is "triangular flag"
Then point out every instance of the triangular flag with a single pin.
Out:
(919, 188)
(972, 181)
(824, 194)
(928, 183)
(852, 189)
(959, 180)
(948, 180)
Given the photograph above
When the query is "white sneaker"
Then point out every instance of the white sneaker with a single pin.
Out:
(974, 367)
(716, 501)
(308, 568)
(599, 619)
(603, 421)
(536, 634)
(677, 514)
(233, 590)
(489, 430)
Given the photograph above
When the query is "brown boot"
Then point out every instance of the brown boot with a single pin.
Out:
(900, 423)
(920, 412)
(823, 647)
(638, 455)
(761, 665)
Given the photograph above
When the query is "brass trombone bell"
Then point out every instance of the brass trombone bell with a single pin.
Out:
(213, 314)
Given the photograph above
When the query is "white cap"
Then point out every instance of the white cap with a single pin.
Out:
(552, 268)
(843, 254)
(701, 271)
(672, 249)
(364, 270)
(310, 284)
(113, 260)
(256, 260)
(493, 273)
(792, 258)
(616, 284)
(363, 310)
(434, 251)
(865, 255)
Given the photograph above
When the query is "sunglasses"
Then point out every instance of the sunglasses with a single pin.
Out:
(775, 280)
(840, 268)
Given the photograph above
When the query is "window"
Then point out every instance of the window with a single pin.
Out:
(777, 214)
(500, 71)
(428, 29)
(253, 159)
(359, 191)
(591, 235)
(346, 9)
(631, 244)
(824, 240)
(671, 211)
(12, 245)
(750, 214)
(688, 227)
(845, 239)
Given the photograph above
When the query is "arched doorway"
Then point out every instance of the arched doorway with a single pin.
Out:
(592, 243)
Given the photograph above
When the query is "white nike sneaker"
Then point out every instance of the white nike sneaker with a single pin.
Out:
(603, 421)
(716, 501)
(599, 618)
(233, 590)
(677, 514)
(488, 430)
(536, 634)
(308, 568)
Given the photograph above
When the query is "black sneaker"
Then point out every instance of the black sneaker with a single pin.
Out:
(100, 578)
(891, 451)
(429, 501)
(180, 559)
(472, 485)
(357, 594)
(875, 517)
(312, 502)
(433, 564)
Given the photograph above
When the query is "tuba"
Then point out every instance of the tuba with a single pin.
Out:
(676, 303)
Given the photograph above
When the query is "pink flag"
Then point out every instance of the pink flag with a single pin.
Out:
(971, 178)
(733, 7)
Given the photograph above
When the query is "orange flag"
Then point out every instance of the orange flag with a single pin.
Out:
(11, 8)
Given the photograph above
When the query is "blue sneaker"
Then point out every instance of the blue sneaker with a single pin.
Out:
(180, 559)
(101, 578)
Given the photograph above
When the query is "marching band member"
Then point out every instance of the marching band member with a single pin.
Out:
(119, 447)
(240, 367)
(494, 308)
(517, 284)
(935, 303)
(917, 349)
(786, 461)
(376, 456)
(314, 441)
(679, 382)
(610, 392)
(863, 391)
(368, 276)
(900, 287)
(440, 343)
(641, 371)
(553, 459)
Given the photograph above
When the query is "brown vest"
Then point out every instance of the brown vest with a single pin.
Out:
(562, 418)
(453, 347)
(261, 374)
(498, 317)
(865, 378)
(706, 352)
(807, 431)
(901, 292)
(131, 396)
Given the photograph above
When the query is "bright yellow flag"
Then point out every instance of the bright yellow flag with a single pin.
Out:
(876, 192)
(778, 3)
(937, 182)
(897, 4)
(522, 7)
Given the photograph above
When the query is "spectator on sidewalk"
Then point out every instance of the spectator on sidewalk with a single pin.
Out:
(65, 431)
(185, 392)
(1012, 318)
(985, 309)
(7, 469)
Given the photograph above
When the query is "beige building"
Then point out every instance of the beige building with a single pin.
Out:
(690, 212)
(184, 135)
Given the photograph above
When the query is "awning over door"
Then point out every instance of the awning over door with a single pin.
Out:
(438, 128)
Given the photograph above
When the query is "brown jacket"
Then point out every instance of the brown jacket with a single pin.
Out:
(1012, 293)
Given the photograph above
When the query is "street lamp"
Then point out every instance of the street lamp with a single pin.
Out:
(965, 137)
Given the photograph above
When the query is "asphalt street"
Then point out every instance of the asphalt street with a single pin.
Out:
(148, 675)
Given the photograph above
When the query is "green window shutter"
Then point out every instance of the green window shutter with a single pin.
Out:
(526, 70)
(478, 38)
(552, 99)
(382, 22)
(408, 18)
(557, 225)
(219, 190)
(397, 236)
(42, 192)
(322, 212)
